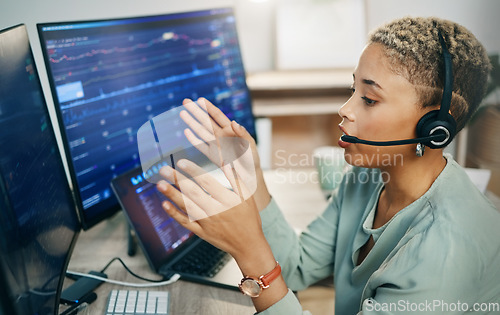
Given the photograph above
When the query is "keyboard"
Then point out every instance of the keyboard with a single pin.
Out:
(204, 260)
(137, 302)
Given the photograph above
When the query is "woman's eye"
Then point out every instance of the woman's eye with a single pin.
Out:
(369, 101)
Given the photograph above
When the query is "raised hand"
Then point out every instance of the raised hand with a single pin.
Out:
(223, 141)
(212, 211)
(227, 218)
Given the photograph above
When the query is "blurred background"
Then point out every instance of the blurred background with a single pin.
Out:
(277, 34)
(299, 56)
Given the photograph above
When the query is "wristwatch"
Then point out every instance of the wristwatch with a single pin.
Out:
(253, 286)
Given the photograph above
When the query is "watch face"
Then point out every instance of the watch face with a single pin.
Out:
(250, 287)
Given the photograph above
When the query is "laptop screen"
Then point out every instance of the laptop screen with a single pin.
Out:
(159, 234)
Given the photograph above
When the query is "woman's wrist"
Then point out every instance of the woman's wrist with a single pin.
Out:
(262, 196)
(256, 257)
(258, 263)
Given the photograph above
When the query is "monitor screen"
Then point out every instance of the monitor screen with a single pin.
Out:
(109, 77)
(38, 217)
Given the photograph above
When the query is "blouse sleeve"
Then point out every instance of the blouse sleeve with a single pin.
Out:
(305, 259)
(287, 305)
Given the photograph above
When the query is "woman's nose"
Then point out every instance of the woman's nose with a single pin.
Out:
(346, 110)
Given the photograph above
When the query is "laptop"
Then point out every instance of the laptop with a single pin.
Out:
(169, 247)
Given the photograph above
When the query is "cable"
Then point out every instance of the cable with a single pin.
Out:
(128, 269)
(108, 264)
(154, 283)
(172, 279)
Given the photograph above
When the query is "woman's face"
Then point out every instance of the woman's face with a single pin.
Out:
(383, 107)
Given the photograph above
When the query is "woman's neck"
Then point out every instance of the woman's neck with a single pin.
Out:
(407, 182)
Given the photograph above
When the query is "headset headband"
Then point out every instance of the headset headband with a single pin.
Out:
(448, 80)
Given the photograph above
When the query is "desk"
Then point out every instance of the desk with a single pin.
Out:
(99, 245)
(300, 199)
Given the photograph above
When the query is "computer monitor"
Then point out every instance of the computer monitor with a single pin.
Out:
(38, 218)
(109, 77)
(6, 302)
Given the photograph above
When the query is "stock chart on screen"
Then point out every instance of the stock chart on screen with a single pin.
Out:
(108, 77)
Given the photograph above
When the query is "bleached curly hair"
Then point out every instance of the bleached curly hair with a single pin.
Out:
(412, 47)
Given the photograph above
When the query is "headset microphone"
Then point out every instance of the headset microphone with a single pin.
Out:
(435, 129)
(351, 139)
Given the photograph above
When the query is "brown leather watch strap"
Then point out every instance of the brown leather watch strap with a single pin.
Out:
(270, 276)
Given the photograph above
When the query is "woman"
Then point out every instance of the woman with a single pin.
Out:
(418, 237)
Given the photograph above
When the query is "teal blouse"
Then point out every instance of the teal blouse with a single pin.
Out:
(440, 254)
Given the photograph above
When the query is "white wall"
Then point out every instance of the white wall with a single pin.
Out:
(255, 20)
(479, 16)
(256, 30)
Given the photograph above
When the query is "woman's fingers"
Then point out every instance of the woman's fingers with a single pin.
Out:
(240, 131)
(190, 198)
(179, 216)
(199, 144)
(206, 134)
(207, 196)
(189, 212)
(170, 191)
(221, 195)
(239, 184)
(211, 149)
(217, 115)
(203, 125)
(199, 112)
(202, 198)
(210, 116)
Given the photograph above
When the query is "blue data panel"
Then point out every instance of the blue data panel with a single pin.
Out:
(110, 77)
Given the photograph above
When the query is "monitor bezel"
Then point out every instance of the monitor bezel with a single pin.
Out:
(69, 192)
(88, 223)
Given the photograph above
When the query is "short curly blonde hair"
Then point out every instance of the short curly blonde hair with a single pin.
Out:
(414, 51)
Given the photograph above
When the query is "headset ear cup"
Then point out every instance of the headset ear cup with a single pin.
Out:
(430, 124)
(423, 123)
(451, 125)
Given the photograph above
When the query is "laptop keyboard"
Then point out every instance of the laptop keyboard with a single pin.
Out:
(133, 302)
(204, 260)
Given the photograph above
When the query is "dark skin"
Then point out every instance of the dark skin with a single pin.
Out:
(384, 104)
(236, 228)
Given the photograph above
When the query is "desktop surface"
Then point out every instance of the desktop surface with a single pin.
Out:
(300, 202)
(108, 239)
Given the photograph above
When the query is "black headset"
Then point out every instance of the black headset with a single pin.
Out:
(437, 128)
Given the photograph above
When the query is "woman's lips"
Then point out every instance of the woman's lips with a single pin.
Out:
(341, 143)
